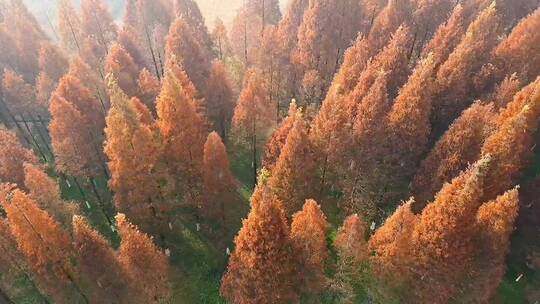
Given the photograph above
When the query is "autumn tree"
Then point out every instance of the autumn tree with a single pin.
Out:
(459, 146)
(218, 181)
(253, 115)
(351, 247)
(262, 267)
(222, 45)
(514, 52)
(395, 14)
(46, 192)
(219, 103)
(308, 236)
(446, 38)
(52, 66)
(12, 158)
(511, 144)
(19, 95)
(495, 220)
(390, 246)
(184, 130)
(190, 12)
(97, 23)
(144, 263)
(76, 129)
(99, 266)
(291, 180)
(45, 245)
(505, 91)
(69, 26)
(132, 44)
(275, 143)
(443, 239)
(183, 46)
(453, 94)
(133, 150)
(120, 64)
(149, 87)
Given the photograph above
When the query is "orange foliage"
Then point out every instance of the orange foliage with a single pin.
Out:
(145, 265)
(97, 22)
(218, 181)
(121, 65)
(292, 177)
(505, 91)
(19, 95)
(275, 143)
(149, 87)
(308, 236)
(351, 239)
(219, 98)
(262, 267)
(395, 14)
(12, 157)
(457, 148)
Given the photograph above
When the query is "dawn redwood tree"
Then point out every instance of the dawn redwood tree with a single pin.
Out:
(290, 23)
(391, 245)
(132, 44)
(45, 245)
(121, 65)
(144, 263)
(505, 91)
(275, 143)
(253, 115)
(220, 39)
(354, 62)
(308, 237)
(395, 14)
(19, 95)
(46, 192)
(513, 54)
(149, 87)
(182, 46)
(409, 124)
(219, 99)
(218, 181)
(443, 239)
(52, 66)
(100, 269)
(190, 12)
(133, 149)
(352, 253)
(495, 221)
(262, 268)
(184, 129)
(511, 145)
(446, 38)
(69, 26)
(76, 129)
(455, 89)
(291, 179)
(459, 146)
(97, 23)
(13, 156)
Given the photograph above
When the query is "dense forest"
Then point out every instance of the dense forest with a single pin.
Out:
(325, 151)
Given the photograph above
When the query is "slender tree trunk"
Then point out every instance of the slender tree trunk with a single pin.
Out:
(100, 201)
(36, 144)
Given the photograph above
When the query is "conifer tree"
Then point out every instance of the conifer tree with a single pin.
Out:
(253, 114)
(69, 26)
(190, 12)
(133, 150)
(446, 38)
(132, 44)
(220, 38)
(351, 247)
(308, 236)
(219, 99)
(514, 52)
(453, 93)
(218, 181)
(52, 65)
(19, 95)
(184, 130)
(46, 191)
(12, 158)
(395, 14)
(459, 146)
(354, 62)
(505, 91)
(45, 245)
(149, 87)
(145, 265)
(76, 129)
(443, 239)
(511, 144)
(120, 64)
(291, 180)
(289, 24)
(275, 143)
(495, 220)
(183, 46)
(97, 23)
(262, 268)
(106, 280)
